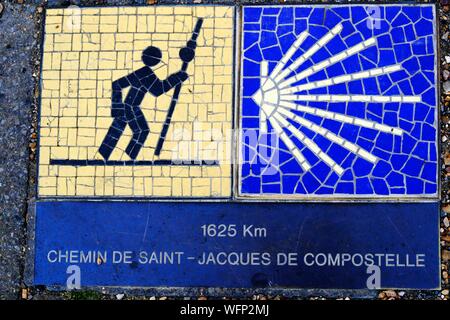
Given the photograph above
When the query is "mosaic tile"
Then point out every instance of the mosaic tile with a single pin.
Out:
(137, 102)
(338, 101)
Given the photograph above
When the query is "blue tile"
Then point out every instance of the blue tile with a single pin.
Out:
(400, 20)
(251, 185)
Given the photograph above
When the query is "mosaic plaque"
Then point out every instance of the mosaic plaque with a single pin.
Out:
(239, 146)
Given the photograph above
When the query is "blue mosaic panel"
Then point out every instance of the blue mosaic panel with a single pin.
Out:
(339, 101)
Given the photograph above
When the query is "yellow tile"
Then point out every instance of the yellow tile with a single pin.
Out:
(61, 186)
(99, 186)
(77, 42)
(123, 186)
(147, 10)
(47, 191)
(204, 11)
(109, 186)
(142, 23)
(182, 10)
(48, 45)
(53, 24)
(90, 11)
(67, 171)
(138, 187)
(186, 187)
(47, 182)
(127, 10)
(165, 10)
(216, 187)
(90, 23)
(59, 152)
(53, 12)
(201, 187)
(85, 186)
(90, 41)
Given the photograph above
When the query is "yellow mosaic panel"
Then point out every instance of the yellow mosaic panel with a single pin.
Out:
(85, 50)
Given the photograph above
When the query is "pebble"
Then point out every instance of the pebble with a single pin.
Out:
(447, 59)
(120, 296)
(445, 255)
(445, 292)
(388, 294)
